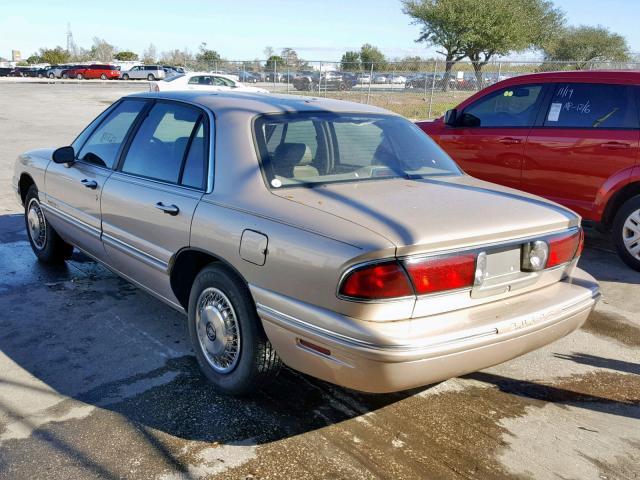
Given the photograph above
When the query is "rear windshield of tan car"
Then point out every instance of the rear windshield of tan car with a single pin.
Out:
(319, 148)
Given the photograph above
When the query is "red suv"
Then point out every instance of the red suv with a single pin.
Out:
(103, 72)
(571, 137)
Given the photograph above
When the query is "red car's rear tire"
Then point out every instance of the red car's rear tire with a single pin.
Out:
(626, 232)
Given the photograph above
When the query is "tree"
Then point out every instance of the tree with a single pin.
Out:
(504, 26)
(35, 58)
(268, 51)
(54, 56)
(585, 44)
(291, 59)
(350, 61)
(101, 50)
(207, 59)
(150, 55)
(274, 63)
(370, 55)
(126, 56)
(177, 57)
(481, 29)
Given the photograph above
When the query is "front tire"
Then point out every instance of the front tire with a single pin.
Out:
(103, 77)
(150, 77)
(226, 334)
(45, 241)
(52, 76)
(79, 76)
(626, 232)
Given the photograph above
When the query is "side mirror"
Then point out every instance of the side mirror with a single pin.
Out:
(451, 117)
(64, 155)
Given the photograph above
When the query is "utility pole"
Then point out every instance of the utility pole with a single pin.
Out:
(70, 44)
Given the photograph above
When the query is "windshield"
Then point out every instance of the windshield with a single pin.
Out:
(173, 76)
(318, 148)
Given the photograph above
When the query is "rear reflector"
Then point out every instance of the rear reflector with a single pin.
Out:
(378, 281)
(437, 274)
(564, 248)
(314, 347)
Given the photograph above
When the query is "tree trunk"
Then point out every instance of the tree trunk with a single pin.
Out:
(449, 63)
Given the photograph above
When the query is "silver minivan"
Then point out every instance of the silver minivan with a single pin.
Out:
(144, 72)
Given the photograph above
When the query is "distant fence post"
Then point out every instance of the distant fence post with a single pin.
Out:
(433, 87)
(288, 79)
(275, 73)
(499, 71)
(370, 82)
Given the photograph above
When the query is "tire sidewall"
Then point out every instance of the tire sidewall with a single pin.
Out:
(47, 253)
(627, 208)
(239, 380)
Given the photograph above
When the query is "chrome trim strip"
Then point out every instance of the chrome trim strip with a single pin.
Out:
(136, 253)
(85, 227)
(289, 322)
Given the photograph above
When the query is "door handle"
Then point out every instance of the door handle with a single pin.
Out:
(510, 140)
(170, 209)
(92, 184)
(616, 145)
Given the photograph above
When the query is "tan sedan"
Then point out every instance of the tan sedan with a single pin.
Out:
(330, 236)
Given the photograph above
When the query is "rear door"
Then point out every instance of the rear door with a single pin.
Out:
(488, 140)
(587, 133)
(73, 191)
(148, 203)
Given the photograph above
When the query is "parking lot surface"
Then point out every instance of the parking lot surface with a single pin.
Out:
(97, 379)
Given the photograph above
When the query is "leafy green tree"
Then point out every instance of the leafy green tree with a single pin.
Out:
(54, 56)
(274, 63)
(370, 55)
(586, 44)
(206, 58)
(35, 58)
(350, 61)
(482, 29)
(125, 56)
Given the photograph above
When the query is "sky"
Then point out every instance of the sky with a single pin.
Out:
(240, 30)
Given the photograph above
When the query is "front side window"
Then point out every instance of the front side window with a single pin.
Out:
(159, 148)
(510, 107)
(318, 148)
(223, 82)
(585, 105)
(103, 145)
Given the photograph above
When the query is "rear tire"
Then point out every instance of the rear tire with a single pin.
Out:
(45, 242)
(52, 76)
(125, 77)
(231, 347)
(626, 232)
(103, 77)
(79, 76)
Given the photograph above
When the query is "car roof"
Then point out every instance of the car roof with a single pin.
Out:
(626, 76)
(260, 103)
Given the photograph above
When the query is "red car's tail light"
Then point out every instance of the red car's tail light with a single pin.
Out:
(378, 281)
(564, 248)
(430, 275)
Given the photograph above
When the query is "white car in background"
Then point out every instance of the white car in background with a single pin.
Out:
(202, 81)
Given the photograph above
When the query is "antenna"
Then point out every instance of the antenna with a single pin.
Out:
(70, 45)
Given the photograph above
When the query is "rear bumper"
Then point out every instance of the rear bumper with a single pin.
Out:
(393, 356)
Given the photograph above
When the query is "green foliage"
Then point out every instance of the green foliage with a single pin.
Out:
(586, 44)
(33, 59)
(291, 59)
(370, 55)
(206, 58)
(481, 29)
(275, 63)
(126, 55)
(350, 62)
(54, 56)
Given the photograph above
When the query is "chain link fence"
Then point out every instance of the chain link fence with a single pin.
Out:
(417, 90)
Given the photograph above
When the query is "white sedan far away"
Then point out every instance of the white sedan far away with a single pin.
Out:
(202, 81)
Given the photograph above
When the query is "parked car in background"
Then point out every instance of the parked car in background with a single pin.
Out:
(379, 78)
(27, 72)
(225, 73)
(103, 72)
(363, 78)
(397, 79)
(327, 81)
(144, 72)
(248, 77)
(55, 71)
(202, 81)
(169, 70)
(572, 137)
(5, 71)
(449, 274)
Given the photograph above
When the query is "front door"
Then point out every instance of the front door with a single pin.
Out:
(72, 200)
(589, 135)
(489, 138)
(148, 203)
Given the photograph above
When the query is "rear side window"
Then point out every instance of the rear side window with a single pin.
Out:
(194, 174)
(514, 106)
(587, 105)
(103, 144)
(159, 148)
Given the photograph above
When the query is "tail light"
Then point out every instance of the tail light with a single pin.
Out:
(437, 274)
(564, 248)
(378, 281)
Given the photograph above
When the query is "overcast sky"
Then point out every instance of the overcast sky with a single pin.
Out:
(317, 29)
